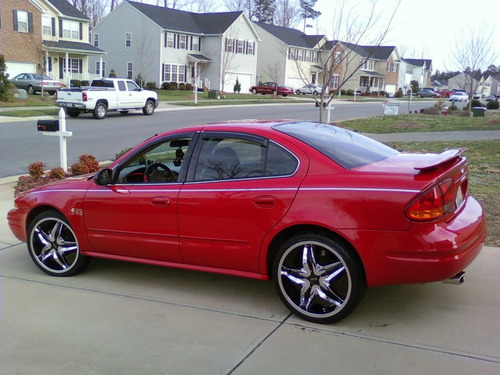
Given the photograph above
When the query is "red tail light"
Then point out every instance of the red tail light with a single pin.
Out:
(84, 96)
(434, 203)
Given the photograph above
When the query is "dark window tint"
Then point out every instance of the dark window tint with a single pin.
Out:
(347, 148)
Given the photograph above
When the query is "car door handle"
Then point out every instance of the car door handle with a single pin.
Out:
(164, 201)
(265, 201)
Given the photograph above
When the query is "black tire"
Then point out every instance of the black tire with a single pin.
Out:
(73, 112)
(53, 245)
(31, 90)
(297, 92)
(100, 110)
(315, 92)
(149, 108)
(318, 278)
(254, 91)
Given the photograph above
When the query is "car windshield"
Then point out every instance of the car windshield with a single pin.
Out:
(347, 148)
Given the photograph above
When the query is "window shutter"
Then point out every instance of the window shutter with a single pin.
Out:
(60, 28)
(14, 14)
(81, 32)
(30, 22)
(80, 63)
(199, 44)
(163, 72)
(53, 26)
(165, 40)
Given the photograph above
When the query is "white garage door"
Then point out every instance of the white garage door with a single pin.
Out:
(245, 81)
(390, 89)
(15, 68)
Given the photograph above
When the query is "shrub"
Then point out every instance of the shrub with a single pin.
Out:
(399, 93)
(165, 85)
(86, 164)
(36, 170)
(492, 104)
(173, 86)
(57, 173)
(151, 85)
(476, 103)
(182, 86)
(6, 88)
(453, 107)
(112, 73)
(122, 152)
(75, 83)
(189, 87)
(343, 92)
(349, 92)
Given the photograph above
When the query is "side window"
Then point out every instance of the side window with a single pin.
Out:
(132, 86)
(163, 162)
(240, 158)
(229, 158)
(279, 162)
(121, 86)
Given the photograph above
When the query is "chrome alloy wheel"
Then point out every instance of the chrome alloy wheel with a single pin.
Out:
(53, 245)
(318, 279)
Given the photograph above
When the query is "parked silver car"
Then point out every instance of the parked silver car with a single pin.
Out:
(33, 82)
(309, 89)
(459, 96)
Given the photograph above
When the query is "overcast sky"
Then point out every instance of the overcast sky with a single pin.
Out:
(426, 28)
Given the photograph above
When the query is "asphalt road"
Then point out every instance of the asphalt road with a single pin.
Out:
(21, 144)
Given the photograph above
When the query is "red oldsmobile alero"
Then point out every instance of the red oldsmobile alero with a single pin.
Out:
(322, 211)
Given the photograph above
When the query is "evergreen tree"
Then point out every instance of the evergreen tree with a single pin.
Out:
(264, 11)
(308, 11)
(5, 92)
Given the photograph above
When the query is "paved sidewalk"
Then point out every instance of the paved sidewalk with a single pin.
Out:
(123, 318)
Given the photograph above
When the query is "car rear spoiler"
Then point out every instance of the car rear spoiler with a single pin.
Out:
(438, 160)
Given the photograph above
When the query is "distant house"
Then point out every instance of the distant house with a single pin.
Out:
(288, 56)
(46, 36)
(489, 85)
(463, 81)
(157, 44)
(419, 70)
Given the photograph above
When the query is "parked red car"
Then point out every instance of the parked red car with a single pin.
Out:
(445, 93)
(322, 211)
(272, 88)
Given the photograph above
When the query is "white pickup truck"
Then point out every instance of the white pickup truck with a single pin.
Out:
(107, 94)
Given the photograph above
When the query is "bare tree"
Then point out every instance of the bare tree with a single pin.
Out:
(240, 5)
(339, 58)
(287, 13)
(473, 52)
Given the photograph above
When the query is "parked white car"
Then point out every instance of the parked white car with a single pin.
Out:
(107, 94)
(459, 97)
(309, 89)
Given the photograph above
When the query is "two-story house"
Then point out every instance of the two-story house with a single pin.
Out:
(489, 85)
(419, 70)
(288, 56)
(158, 44)
(46, 36)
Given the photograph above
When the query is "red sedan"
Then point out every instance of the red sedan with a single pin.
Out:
(272, 88)
(322, 211)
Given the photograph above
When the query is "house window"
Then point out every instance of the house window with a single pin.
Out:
(169, 40)
(229, 45)
(100, 70)
(307, 56)
(239, 47)
(182, 41)
(96, 40)
(363, 81)
(368, 65)
(174, 73)
(75, 66)
(47, 26)
(250, 48)
(334, 83)
(196, 43)
(391, 67)
(23, 21)
(128, 39)
(315, 56)
(71, 30)
(336, 58)
(130, 70)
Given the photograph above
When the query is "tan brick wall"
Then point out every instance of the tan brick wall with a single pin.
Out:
(18, 46)
(391, 78)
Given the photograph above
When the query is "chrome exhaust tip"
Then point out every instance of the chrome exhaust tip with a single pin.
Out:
(458, 279)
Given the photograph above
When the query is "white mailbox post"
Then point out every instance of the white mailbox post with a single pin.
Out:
(57, 128)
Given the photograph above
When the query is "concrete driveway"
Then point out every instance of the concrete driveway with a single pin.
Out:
(122, 318)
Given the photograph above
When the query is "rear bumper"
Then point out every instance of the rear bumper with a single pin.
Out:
(426, 252)
(71, 105)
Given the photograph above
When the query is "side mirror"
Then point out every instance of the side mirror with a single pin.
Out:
(104, 177)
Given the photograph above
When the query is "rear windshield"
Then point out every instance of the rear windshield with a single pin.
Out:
(347, 148)
(102, 83)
